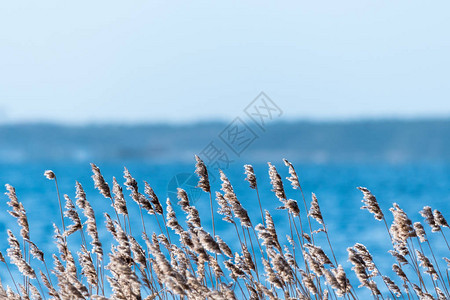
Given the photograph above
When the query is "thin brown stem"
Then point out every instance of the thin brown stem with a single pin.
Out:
(60, 206)
(14, 282)
(260, 206)
(306, 210)
(443, 235)
(212, 214)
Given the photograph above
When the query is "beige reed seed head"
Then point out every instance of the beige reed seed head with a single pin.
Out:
(172, 221)
(427, 213)
(153, 198)
(18, 212)
(12, 295)
(401, 228)
(344, 282)
(72, 214)
(202, 172)
(439, 219)
(224, 208)
(207, 241)
(359, 267)
(224, 247)
(270, 227)
(15, 254)
(441, 295)
(137, 197)
(292, 207)
(308, 282)
(314, 211)
(399, 271)
(318, 254)
(392, 286)
(420, 232)
(193, 216)
(293, 178)
(35, 251)
(188, 268)
(51, 290)
(91, 229)
(277, 183)
(447, 261)
(426, 263)
(119, 202)
(367, 258)
(13, 201)
(130, 182)
(100, 182)
(35, 295)
(236, 206)
(80, 196)
(251, 178)
(87, 266)
(307, 237)
(184, 199)
(331, 280)
(401, 259)
(49, 174)
(139, 255)
(371, 204)
(290, 258)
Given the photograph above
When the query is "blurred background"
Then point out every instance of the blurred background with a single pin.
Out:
(354, 93)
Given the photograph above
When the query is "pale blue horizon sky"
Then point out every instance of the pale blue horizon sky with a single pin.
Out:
(179, 61)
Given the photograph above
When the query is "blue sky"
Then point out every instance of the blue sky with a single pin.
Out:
(181, 61)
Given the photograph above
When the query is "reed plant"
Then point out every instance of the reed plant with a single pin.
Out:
(181, 257)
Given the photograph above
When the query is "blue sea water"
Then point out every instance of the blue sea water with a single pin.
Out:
(411, 185)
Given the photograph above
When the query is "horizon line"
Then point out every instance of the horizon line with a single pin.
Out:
(402, 119)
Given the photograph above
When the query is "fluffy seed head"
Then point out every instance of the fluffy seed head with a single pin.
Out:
(427, 213)
(371, 204)
(277, 183)
(251, 178)
(293, 178)
(49, 174)
(314, 211)
(100, 182)
(202, 172)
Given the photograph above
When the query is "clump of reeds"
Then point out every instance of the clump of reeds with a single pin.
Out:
(186, 259)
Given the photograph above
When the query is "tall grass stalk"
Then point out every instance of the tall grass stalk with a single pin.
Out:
(203, 265)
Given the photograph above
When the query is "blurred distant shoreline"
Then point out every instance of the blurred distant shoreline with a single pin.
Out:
(395, 141)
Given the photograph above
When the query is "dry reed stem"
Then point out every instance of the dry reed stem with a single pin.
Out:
(202, 264)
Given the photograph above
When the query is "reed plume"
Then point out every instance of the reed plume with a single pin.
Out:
(204, 265)
(371, 204)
